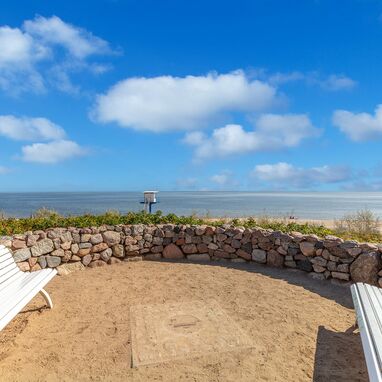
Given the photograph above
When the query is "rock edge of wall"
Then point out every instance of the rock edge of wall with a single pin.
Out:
(324, 258)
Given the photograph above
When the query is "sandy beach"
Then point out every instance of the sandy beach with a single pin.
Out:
(294, 328)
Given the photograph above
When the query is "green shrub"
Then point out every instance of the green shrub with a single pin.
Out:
(362, 226)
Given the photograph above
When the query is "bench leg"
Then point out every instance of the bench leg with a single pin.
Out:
(47, 298)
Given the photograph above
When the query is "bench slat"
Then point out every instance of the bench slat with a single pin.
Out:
(17, 301)
(374, 315)
(17, 285)
(364, 298)
(6, 256)
(6, 269)
(3, 250)
(8, 276)
(6, 262)
(13, 279)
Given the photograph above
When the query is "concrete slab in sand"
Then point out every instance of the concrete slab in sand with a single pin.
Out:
(164, 332)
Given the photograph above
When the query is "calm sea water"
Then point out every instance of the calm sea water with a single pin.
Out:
(308, 205)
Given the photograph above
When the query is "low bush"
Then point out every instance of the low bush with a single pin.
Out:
(361, 226)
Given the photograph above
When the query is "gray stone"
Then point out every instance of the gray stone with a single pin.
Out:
(66, 237)
(86, 260)
(42, 247)
(259, 256)
(106, 254)
(111, 237)
(22, 255)
(53, 261)
(85, 245)
(305, 265)
(42, 261)
(96, 239)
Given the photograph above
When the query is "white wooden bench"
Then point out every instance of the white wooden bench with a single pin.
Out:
(17, 288)
(368, 306)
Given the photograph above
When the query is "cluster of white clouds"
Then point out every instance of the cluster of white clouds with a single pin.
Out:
(45, 51)
(167, 103)
(285, 175)
(57, 149)
(359, 126)
(272, 132)
(282, 176)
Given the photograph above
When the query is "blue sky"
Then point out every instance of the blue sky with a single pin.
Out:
(181, 95)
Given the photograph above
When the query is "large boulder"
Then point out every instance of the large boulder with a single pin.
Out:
(274, 259)
(172, 251)
(111, 237)
(307, 248)
(42, 247)
(259, 256)
(365, 268)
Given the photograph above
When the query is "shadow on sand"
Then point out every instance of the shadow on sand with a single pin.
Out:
(339, 357)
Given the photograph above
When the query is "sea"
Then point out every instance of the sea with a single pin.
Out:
(304, 205)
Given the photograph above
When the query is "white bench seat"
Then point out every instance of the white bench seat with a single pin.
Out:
(368, 306)
(17, 288)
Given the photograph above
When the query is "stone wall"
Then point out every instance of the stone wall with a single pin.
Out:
(325, 258)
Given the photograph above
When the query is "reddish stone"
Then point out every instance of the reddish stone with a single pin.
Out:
(172, 251)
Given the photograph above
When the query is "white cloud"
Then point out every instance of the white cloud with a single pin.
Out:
(18, 48)
(359, 126)
(285, 175)
(52, 152)
(28, 53)
(53, 31)
(273, 132)
(29, 129)
(333, 82)
(338, 82)
(180, 103)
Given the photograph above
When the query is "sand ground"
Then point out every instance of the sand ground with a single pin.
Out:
(301, 328)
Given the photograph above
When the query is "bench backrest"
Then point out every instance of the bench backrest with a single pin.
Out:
(8, 267)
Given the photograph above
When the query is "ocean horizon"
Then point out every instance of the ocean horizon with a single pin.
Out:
(304, 205)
